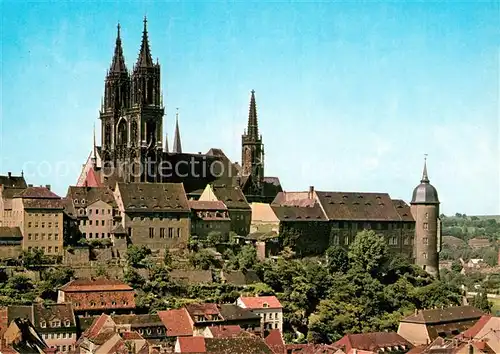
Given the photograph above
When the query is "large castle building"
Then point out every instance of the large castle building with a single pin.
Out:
(132, 148)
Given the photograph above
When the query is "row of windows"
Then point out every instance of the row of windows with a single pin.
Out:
(150, 331)
(49, 224)
(63, 348)
(55, 323)
(161, 218)
(50, 215)
(96, 211)
(93, 303)
(56, 335)
(103, 222)
(42, 237)
(271, 325)
(393, 241)
(96, 235)
(170, 230)
(270, 317)
(45, 249)
(369, 226)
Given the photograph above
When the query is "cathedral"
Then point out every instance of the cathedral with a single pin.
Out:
(133, 150)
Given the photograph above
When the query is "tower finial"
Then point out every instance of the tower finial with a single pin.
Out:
(177, 148)
(425, 177)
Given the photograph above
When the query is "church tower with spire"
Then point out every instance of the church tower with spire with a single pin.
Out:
(425, 211)
(115, 102)
(252, 149)
(132, 113)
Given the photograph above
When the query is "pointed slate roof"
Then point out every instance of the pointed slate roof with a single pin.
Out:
(144, 60)
(166, 143)
(118, 63)
(253, 128)
(177, 137)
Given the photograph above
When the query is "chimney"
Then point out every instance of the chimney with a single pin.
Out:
(30, 185)
(311, 192)
(47, 186)
(9, 174)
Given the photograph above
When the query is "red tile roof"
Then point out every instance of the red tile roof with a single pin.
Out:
(177, 322)
(225, 331)
(202, 309)
(131, 336)
(476, 328)
(37, 192)
(275, 341)
(373, 341)
(99, 284)
(449, 314)
(312, 349)
(261, 302)
(207, 205)
(192, 344)
(91, 179)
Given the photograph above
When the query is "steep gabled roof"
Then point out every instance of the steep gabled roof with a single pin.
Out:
(231, 196)
(99, 284)
(373, 341)
(237, 345)
(358, 206)
(11, 181)
(153, 197)
(299, 213)
(261, 302)
(37, 193)
(449, 314)
(177, 322)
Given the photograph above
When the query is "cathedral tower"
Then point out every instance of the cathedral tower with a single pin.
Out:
(132, 114)
(425, 211)
(252, 149)
(115, 101)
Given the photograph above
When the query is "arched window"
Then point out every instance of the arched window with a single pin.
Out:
(122, 137)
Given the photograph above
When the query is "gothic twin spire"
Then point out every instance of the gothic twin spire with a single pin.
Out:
(144, 59)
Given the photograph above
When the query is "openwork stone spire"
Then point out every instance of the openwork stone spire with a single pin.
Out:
(253, 128)
(118, 62)
(145, 60)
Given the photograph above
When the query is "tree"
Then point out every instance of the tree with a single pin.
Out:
(480, 301)
(247, 257)
(456, 266)
(368, 251)
(203, 259)
(215, 237)
(136, 256)
(337, 259)
(34, 259)
(133, 278)
(167, 258)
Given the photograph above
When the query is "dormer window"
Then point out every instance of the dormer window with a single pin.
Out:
(67, 323)
(76, 201)
(83, 201)
(265, 305)
(43, 324)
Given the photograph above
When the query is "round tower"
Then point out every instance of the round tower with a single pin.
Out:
(425, 211)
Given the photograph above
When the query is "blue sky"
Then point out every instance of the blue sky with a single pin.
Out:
(350, 96)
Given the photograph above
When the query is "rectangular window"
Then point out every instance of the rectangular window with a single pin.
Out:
(151, 232)
(129, 232)
(56, 237)
(346, 239)
(97, 211)
(29, 223)
(162, 232)
(425, 241)
(90, 211)
(90, 234)
(56, 224)
(102, 211)
(36, 237)
(30, 237)
(170, 232)
(49, 250)
(178, 232)
(50, 224)
(102, 235)
(90, 222)
(43, 224)
(36, 223)
(56, 249)
(102, 222)
(49, 236)
(426, 226)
